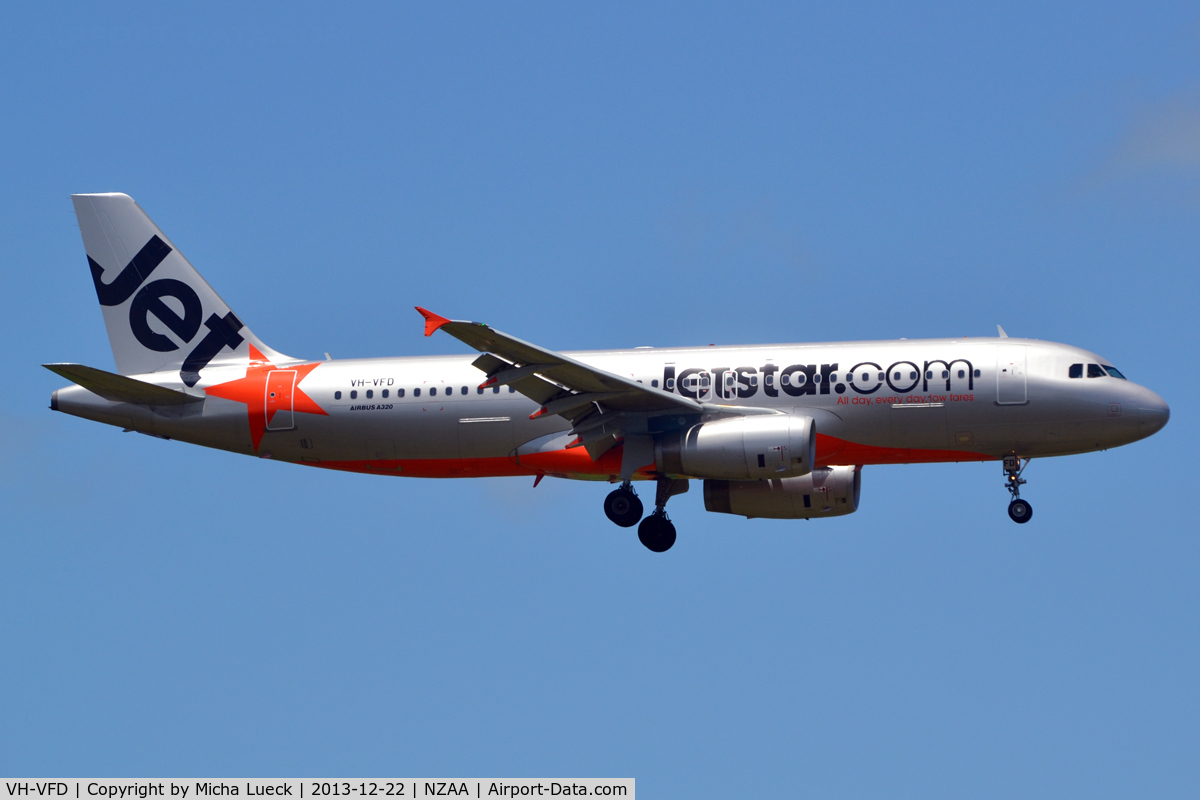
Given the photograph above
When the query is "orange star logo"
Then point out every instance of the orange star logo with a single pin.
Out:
(252, 390)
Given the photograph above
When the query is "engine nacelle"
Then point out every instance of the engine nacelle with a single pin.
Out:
(824, 492)
(741, 448)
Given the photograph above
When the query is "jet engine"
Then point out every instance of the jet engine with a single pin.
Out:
(741, 448)
(824, 492)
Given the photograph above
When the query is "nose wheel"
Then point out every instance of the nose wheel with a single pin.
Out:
(1019, 511)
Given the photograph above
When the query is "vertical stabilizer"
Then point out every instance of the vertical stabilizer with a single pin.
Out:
(160, 314)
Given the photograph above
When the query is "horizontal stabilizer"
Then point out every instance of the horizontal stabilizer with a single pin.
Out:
(120, 389)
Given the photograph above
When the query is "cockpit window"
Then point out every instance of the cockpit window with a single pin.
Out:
(1076, 371)
(1116, 373)
(1096, 371)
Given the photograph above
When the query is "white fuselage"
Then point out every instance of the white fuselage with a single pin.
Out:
(938, 400)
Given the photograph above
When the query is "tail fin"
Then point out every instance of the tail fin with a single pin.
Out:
(160, 314)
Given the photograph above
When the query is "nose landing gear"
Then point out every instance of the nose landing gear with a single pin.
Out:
(1019, 510)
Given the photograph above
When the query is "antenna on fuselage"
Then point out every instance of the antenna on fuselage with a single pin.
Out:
(1003, 335)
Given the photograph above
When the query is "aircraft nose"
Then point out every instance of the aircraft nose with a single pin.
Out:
(1153, 413)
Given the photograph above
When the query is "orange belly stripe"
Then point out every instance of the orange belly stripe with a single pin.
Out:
(576, 463)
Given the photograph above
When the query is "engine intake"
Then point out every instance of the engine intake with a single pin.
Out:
(741, 448)
(824, 492)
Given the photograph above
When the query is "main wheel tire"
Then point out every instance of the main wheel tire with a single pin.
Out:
(1020, 511)
(657, 533)
(623, 507)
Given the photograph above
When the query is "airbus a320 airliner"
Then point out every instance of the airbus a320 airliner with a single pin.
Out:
(780, 431)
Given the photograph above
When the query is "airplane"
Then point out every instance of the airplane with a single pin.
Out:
(774, 431)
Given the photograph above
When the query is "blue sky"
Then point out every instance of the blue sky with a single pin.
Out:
(591, 177)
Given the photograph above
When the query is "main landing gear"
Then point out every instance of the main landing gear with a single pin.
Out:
(1018, 510)
(656, 531)
(623, 507)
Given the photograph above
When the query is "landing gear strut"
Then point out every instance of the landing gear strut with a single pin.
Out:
(623, 507)
(1018, 510)
(657, 532)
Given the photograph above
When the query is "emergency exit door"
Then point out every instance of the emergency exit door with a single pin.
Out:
(281, 384)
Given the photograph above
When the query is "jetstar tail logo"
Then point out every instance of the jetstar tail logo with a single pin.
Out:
(222, 331)
(262, 405)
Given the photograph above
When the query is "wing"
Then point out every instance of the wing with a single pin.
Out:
(601, 406)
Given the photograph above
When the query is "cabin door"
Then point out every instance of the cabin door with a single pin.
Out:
(281, 384)
(1010, 375)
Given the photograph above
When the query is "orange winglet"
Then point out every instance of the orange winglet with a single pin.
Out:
(432, 320)
(488, 382)
(538, 413)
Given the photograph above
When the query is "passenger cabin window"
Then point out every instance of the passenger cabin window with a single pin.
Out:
(337, 395)
(495, 390)
(654, 383)
(417, 392)
(384, 392)
(1096, 371)
(1116, 373)
(370, 393)
(433, 391)
(1076, 371)
(399, 393)
(511, 390)
(354, 394)
(464, 390)
(977, 373)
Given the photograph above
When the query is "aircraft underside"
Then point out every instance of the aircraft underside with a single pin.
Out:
(575, 464)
